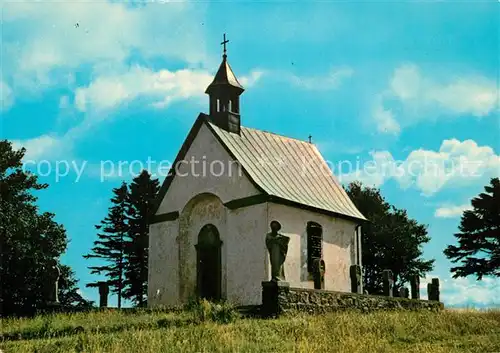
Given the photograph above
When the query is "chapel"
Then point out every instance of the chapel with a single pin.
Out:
(227, 184)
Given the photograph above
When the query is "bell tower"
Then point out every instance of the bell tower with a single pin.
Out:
(224, 93)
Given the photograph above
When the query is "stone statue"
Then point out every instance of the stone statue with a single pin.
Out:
(53, 285)
(388, 283)
(277, 245)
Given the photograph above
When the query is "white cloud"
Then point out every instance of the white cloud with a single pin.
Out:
(456, 163)
(159, 88)
(418, 97)
(476, 96)
(385, 120)
(108, 92)
(451, 211)
(42, 146)
(466, 291)
(250, 80)
(331, 80)
(45, 42)
(6, 96)
(375, 172)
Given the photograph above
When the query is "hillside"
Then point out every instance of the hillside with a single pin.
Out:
(196, 331)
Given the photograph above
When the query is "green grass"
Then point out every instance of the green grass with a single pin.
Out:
(204, 329)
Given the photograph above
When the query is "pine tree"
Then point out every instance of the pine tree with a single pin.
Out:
(142, 194)
(478, 247)
(111, 243)
(69, 294)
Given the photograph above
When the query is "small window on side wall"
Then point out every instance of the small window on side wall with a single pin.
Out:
(314, 244)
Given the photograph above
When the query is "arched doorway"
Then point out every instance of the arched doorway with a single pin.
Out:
(208, 269)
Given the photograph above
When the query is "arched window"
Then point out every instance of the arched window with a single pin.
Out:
(230, 105)
(314, 244)
(218, 105)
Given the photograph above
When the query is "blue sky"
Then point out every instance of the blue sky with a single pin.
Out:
(404, 84)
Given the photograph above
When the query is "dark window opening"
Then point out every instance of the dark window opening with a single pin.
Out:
(314, 244)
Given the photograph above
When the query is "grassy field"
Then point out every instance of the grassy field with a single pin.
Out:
(198, 331)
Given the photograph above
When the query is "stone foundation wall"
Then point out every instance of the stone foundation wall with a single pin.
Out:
(279, 298)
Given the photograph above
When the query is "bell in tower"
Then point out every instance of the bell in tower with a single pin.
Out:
(224, 93)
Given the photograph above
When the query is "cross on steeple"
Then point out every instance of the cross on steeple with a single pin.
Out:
(224, 42)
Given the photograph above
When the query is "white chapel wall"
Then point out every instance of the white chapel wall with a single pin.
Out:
(163, 274)
(206, 150)
(338, 250)
(247, 260)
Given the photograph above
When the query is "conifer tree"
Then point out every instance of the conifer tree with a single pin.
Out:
(478, 249)
(111, 243)
(142, 193)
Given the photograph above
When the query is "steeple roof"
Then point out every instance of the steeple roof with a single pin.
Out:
(225, 77)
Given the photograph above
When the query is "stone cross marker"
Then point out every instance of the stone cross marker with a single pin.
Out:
(319, 274)
(277, 245)
(103, 294)
(433, 289)
(415, 286)
(53, 282)
(355, 274)
(388, 283)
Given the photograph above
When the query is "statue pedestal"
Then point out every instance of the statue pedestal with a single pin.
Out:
(271, 291)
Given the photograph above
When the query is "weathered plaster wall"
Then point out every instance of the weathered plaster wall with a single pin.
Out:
(214, 172)
(246, 254)
(172, 254)
(338, 246)
(163, 274)
(201, 210)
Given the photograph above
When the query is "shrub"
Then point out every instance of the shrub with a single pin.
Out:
(204, 310)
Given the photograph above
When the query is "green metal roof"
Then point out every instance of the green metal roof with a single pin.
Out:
(288, 169)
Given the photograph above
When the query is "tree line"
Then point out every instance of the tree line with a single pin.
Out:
(31, 239)
(122, 240)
